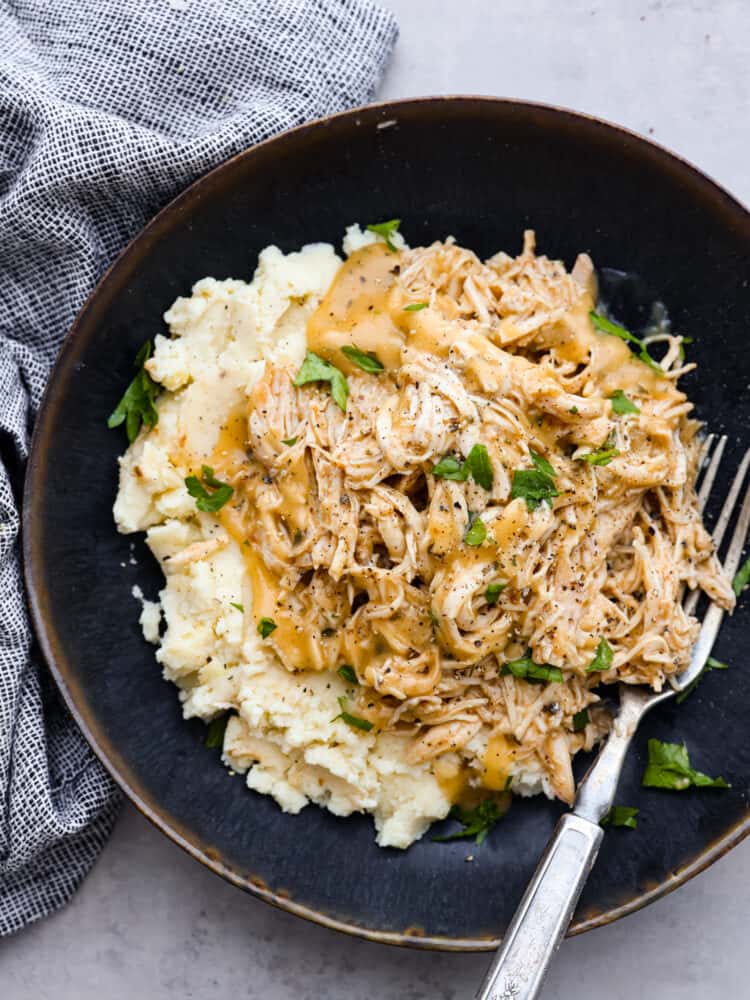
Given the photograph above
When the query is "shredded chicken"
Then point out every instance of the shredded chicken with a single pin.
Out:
(361, 551)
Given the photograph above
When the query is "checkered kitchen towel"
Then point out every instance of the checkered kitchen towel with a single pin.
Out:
(108, 108)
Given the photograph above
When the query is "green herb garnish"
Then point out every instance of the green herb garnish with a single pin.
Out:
(476, 532)
(478, 462)
(415, 307)
(525, 668)
(607, 326)
(603, 455)
(266, 626)
(316, 369)
(136, 408)
(351, 720)
(450, 468)
(535, 485)
(493, 592)
(621, 404)
(346, 673)
(669, 767)
(541, 463)
(240, 607)
(711, 664)
(621, 816)
(742, 578)
(603, 657)
(386, 230)
(199, 490)
(581, 720)
(367, 361)
(215, 731)
(290, 441)
(476, 822)
(477, 465)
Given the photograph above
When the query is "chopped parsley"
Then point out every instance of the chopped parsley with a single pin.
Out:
(493, 592)
(525, 668)
(290, 441)
(621, 816)
(621, 404)
(450, 468)
(367, 361)
(614, 329)
(386, 230)
(199, 490)
(535, 485)
(477, 822)
(742, 578)
(477, 465)
(346, 673)
(603, 455)
(316, 369)
(351, 720)
(414, 307)
(581, 720)
(669, 767)
(215, 731)
(266, 626)
(476, 532)
(602, 658)
(711, 664)
(236, 604)
(541, 463)
(136, 408)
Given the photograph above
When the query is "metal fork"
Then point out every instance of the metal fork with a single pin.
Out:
(542, 918)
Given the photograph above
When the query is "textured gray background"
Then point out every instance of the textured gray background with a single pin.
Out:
(150, 922)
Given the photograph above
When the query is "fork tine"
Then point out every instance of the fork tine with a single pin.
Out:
(703, 454)
(726, 511)
(708, 443)
(734, 552)
(690, 601)
(728, 508)
(715, 613)
(712, 469)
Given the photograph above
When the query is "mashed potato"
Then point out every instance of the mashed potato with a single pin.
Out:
(282, 734)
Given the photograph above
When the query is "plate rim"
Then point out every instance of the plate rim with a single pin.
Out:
(51, 647)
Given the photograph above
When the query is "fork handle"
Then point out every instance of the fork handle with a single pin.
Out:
(542, 918)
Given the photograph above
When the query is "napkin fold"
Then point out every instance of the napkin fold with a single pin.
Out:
(109, 108)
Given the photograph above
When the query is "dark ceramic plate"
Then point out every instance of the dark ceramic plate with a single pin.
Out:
(482, 170)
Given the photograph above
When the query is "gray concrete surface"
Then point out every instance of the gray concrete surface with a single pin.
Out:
(151, 923)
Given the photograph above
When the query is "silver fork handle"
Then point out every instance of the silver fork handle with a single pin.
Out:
(542, 918)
